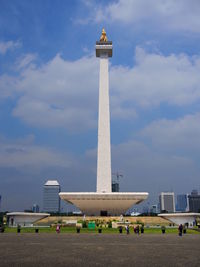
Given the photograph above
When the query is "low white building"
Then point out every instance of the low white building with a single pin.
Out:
(181, 218)
(24, 218)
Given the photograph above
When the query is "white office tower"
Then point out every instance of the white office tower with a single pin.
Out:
(51, 199)
(167, 203)
(104, 201)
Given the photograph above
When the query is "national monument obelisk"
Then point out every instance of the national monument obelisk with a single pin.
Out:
(104, 201)
(104, 51)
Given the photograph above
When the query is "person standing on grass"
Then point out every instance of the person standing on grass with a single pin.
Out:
(127, 229)
(58, 229)
(180, 229)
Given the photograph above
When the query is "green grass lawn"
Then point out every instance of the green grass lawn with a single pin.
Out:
(168, 231)
(104, 230)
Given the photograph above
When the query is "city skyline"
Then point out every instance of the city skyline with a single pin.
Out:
(49, 96)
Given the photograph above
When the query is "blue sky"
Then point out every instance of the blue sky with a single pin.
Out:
(49, 95)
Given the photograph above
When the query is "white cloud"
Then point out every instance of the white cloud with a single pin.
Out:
(151, 14)
(157, 79)
(124, 113)
(162, 164)
(10, 45)
(8, 85)
(24, 153)
(59, 94)
(63, 93)
(177, 136)
(146, 169)
(25, 61)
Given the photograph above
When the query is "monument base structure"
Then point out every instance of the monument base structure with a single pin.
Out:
(111, 204)
(104, 201)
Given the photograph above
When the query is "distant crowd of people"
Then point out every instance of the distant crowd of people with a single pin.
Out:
(138, 229)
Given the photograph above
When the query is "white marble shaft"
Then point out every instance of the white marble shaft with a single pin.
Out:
(104, 152)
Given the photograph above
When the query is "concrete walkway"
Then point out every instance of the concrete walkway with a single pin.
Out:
(51, 249)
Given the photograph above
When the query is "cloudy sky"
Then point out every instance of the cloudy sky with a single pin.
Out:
(49, 95)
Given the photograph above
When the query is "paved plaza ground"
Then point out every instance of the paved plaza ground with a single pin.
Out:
(49, 249)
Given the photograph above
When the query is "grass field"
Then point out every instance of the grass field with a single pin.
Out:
(150, 220)
(104, 230)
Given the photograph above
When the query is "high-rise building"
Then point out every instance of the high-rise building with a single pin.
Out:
(194, 201)
(115, 186)
(167, 203)
(154, 209)
(35, 208)
(51, 199)
(182, 202)
(194, 192)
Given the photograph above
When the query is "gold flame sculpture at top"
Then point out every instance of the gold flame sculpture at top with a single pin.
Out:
(103, 36)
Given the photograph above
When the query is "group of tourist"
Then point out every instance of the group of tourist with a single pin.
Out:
(136, 229)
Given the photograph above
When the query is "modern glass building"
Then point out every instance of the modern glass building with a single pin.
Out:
(51, 199)
(167, 203)
(182, 202)
(36, 208)
(194, 201)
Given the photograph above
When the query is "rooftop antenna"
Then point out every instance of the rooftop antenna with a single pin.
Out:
(117, 175)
